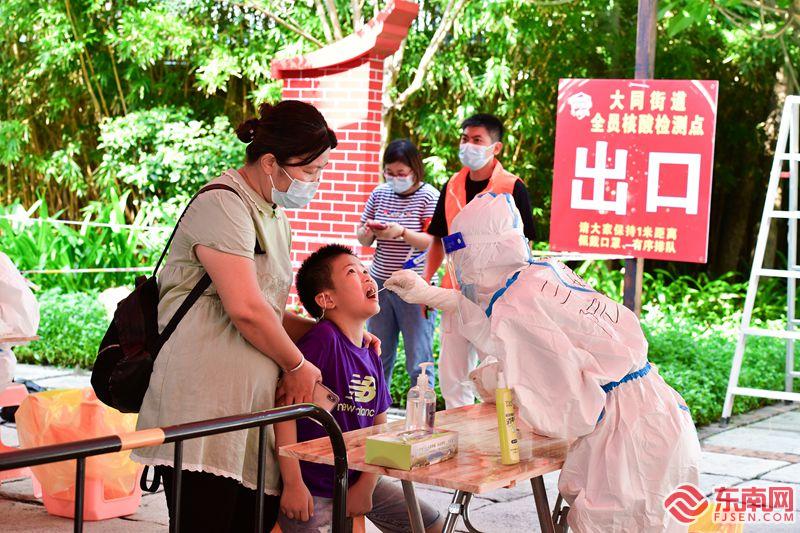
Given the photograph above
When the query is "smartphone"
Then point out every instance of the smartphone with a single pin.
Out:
(377, 225)
(324, 397)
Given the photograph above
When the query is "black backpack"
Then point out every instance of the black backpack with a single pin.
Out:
(121, 373)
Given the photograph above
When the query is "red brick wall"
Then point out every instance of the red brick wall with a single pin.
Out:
(349, 96)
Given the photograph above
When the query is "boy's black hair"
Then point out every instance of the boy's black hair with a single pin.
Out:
(314, 275)
(490, 122)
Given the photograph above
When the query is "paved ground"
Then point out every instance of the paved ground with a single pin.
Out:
(760, 448)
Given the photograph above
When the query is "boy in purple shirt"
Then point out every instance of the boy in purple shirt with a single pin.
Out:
(335, 288)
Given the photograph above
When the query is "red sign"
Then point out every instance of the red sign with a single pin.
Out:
(633, 166)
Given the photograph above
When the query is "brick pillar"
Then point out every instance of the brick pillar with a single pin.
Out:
(345, 82)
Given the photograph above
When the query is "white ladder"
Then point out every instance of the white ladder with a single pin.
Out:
(787, 150)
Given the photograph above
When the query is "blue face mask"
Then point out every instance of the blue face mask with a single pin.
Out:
(400, 184)
(298, 195)
(475, 156)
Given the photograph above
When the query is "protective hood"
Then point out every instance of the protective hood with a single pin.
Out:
(496, 246)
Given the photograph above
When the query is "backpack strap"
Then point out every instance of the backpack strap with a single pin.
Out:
(153, 487)
(197, 291)
(204, 282)
(213, 187)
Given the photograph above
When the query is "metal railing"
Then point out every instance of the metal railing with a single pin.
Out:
(80, 450)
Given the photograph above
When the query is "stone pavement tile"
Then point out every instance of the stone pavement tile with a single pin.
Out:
(709, 481)
(512, 516)
(124, 525)
(20, 517)
(8, 434)
(788, 474)
(70, 381)
(19, 490)
(723, 464)
(36, 372)
(32, 516)
(505, 509)
(744, 419)
(438, 497)
(523, 489)
(749, 438)
(786, 422)
(24, 517)
(152, 511)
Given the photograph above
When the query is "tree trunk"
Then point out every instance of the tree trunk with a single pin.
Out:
(736, 225)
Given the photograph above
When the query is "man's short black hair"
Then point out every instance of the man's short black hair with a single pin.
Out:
(314, 276)
(490, 122)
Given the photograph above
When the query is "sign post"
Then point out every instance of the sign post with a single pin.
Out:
(646, 19)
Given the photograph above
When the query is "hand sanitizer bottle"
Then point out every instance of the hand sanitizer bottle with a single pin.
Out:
(421, 403)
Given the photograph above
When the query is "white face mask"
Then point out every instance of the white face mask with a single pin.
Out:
(399, 184)
(298, 195)
(475, 156)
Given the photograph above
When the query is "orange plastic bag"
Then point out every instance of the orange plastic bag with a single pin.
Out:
(705, 523)
(58, 416)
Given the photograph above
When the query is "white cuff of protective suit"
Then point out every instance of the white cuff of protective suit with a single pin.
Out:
(474, 324)
(409, 286)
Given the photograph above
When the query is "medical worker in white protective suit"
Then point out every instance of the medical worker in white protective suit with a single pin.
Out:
(19, 315)
(577, 363)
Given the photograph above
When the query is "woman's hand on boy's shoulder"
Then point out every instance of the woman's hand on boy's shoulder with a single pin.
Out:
(297, 502)
(372, 342)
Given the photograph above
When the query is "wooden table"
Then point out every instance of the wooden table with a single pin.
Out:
(15, 341)
(476, 468)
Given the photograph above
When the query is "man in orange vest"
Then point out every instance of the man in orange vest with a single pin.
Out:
(481, 143)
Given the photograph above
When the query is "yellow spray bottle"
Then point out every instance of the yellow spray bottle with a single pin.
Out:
(506, 422)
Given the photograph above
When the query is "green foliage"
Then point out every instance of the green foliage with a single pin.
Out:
(42, 246)
(695, 359)
(163, 156)
(401, 382)
(73, 73)
(699, 298)
(71, 327)
(13, 137)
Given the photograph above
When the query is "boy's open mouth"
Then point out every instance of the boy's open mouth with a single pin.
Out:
(372, 293)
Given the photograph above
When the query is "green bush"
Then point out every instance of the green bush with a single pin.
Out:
(71, 327)
(153, 161)
(44, 246)
(401, 382)
(164, 155)
(695, 359)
